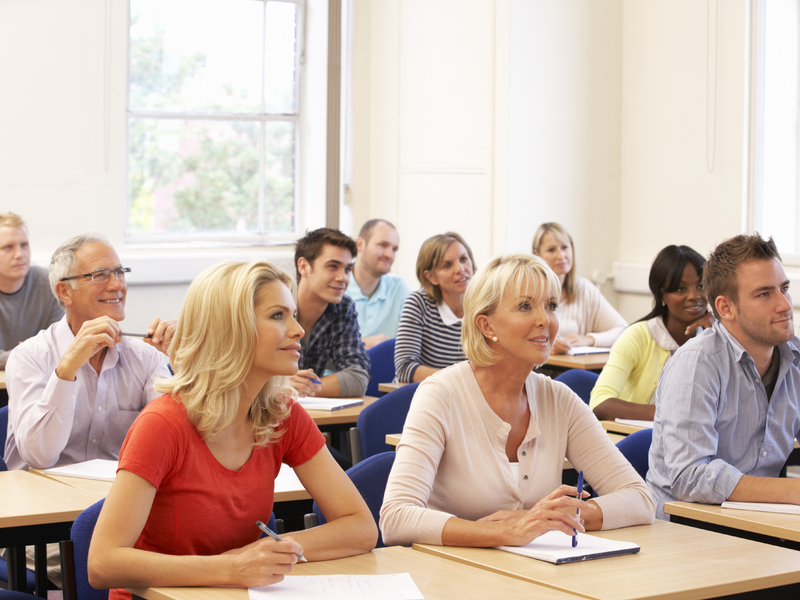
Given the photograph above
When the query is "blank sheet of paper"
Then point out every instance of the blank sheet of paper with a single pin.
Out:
(399, 586)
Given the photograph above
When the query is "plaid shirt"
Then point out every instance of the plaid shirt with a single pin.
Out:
(336, 338)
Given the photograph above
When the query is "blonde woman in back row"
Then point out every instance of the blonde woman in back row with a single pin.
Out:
(586, 317)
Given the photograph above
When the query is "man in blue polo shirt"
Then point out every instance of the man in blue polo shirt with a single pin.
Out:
(378, 294)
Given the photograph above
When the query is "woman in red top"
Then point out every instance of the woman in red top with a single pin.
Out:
(197, 467)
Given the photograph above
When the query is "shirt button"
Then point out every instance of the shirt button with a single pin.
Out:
(525, 477)
(94, 441)
(73, 396)
(524, 453)
(765, 453)
(99, 409)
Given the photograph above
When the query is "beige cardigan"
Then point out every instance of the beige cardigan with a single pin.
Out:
(451, 459)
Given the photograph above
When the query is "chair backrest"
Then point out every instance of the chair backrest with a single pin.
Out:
(3, 434)
(579, 381)
(381, 370)
(636, 448)
(385, 415)
(76, 576)
(370, 477)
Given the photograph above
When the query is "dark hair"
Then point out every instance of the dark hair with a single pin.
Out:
(366, 228)
(310, 246)
(666, 274)
(719, 278)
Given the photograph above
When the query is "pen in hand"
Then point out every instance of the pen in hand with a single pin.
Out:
(141, 335)
(578, 512)
(276, 537)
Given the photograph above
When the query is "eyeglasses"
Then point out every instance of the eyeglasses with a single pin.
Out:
(102, 275)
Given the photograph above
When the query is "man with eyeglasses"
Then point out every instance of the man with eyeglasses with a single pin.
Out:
(76, 387)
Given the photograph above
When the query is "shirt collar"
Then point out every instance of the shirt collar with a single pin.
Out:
(789, 350)
(447, 315)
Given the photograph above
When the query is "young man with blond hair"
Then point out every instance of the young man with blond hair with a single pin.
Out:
(26, 303)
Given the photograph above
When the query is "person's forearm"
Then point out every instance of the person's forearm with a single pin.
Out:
(615, 408)
(347, 536)
(766, 489)
(330, 387)
(422, 372)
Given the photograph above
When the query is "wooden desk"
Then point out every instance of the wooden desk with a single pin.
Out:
(390, 387)
(35, 511)
(777, 525)
(343, 416)
(620, 428)
(589, 362)
(2, 380)
(287, 485)
(437, 579)
(675, 562)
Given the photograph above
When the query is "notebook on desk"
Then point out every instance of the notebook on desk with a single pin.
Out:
(773, 507)
(556, 547)
(98, 469)
(329, 403)
(588, 350)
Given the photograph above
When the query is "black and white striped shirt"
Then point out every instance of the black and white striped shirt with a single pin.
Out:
(424, 339)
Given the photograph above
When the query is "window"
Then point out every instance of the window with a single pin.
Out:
(776, 79)
(213, 120)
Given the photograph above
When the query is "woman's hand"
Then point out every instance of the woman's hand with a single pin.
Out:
(706, 321)
(556, 511)
(304, 382)
(561, 345)
(264, 562)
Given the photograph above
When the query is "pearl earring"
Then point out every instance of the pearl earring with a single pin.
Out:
(494, 339)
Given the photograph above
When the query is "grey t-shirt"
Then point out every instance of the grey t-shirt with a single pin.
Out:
(27, 311)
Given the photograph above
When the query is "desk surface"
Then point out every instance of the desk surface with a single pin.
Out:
(783, 526)
(675, 562)
(621, 428)
(437, 578)
(390, 387)
(287, 485)
(2, 380)
(342, 416)
(32, 500)
(589, 362)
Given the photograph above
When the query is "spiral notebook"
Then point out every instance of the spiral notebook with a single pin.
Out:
(556, 547)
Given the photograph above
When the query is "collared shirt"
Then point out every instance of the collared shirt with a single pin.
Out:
(335, 338)
(52, 421)
(714, 422)
(380, 313)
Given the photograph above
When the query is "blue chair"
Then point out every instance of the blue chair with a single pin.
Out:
(370, 477)
(31, 583)
(74, 557)
(385, 415)
(381, 370)
(636, 448)
(579, 381)
(10, 595)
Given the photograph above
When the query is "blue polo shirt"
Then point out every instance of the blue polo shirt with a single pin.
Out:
(381, 312)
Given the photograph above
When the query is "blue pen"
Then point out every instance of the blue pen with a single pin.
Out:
(578, 512)
(276, 537)
(317, 381)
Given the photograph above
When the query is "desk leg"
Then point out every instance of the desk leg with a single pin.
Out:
(40, 562)
(17, 576)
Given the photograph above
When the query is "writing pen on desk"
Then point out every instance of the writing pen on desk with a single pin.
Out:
(141, 335)
(276, 537)
(578, 512)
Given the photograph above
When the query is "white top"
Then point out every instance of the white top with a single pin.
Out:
(53, 422)
(590, 314)
(451, 459)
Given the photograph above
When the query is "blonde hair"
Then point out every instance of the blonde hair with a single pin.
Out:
(9, 219)
(563, 236)
(213, 348)
(485, 292)
(430, 258)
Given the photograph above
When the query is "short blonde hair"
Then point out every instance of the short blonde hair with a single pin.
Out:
(430, 258)
(563, 236)
(9, 219)
(485, 292)
(213, 348)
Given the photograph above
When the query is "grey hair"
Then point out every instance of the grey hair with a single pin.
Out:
(63, 263)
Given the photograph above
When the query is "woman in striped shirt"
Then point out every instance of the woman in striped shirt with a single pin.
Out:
(429, 334)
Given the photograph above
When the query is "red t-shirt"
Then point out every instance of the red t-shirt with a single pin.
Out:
(200, 507)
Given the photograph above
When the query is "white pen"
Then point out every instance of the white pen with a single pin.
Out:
(276, 537)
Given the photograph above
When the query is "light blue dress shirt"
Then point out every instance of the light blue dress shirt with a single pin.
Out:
(714, 422)
(381, 312)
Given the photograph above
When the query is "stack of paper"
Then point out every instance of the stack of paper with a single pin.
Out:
(100, 469)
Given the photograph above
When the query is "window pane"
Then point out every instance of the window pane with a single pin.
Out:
(193, 176)
(196, 55)
(279, 176)
(279, 50)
